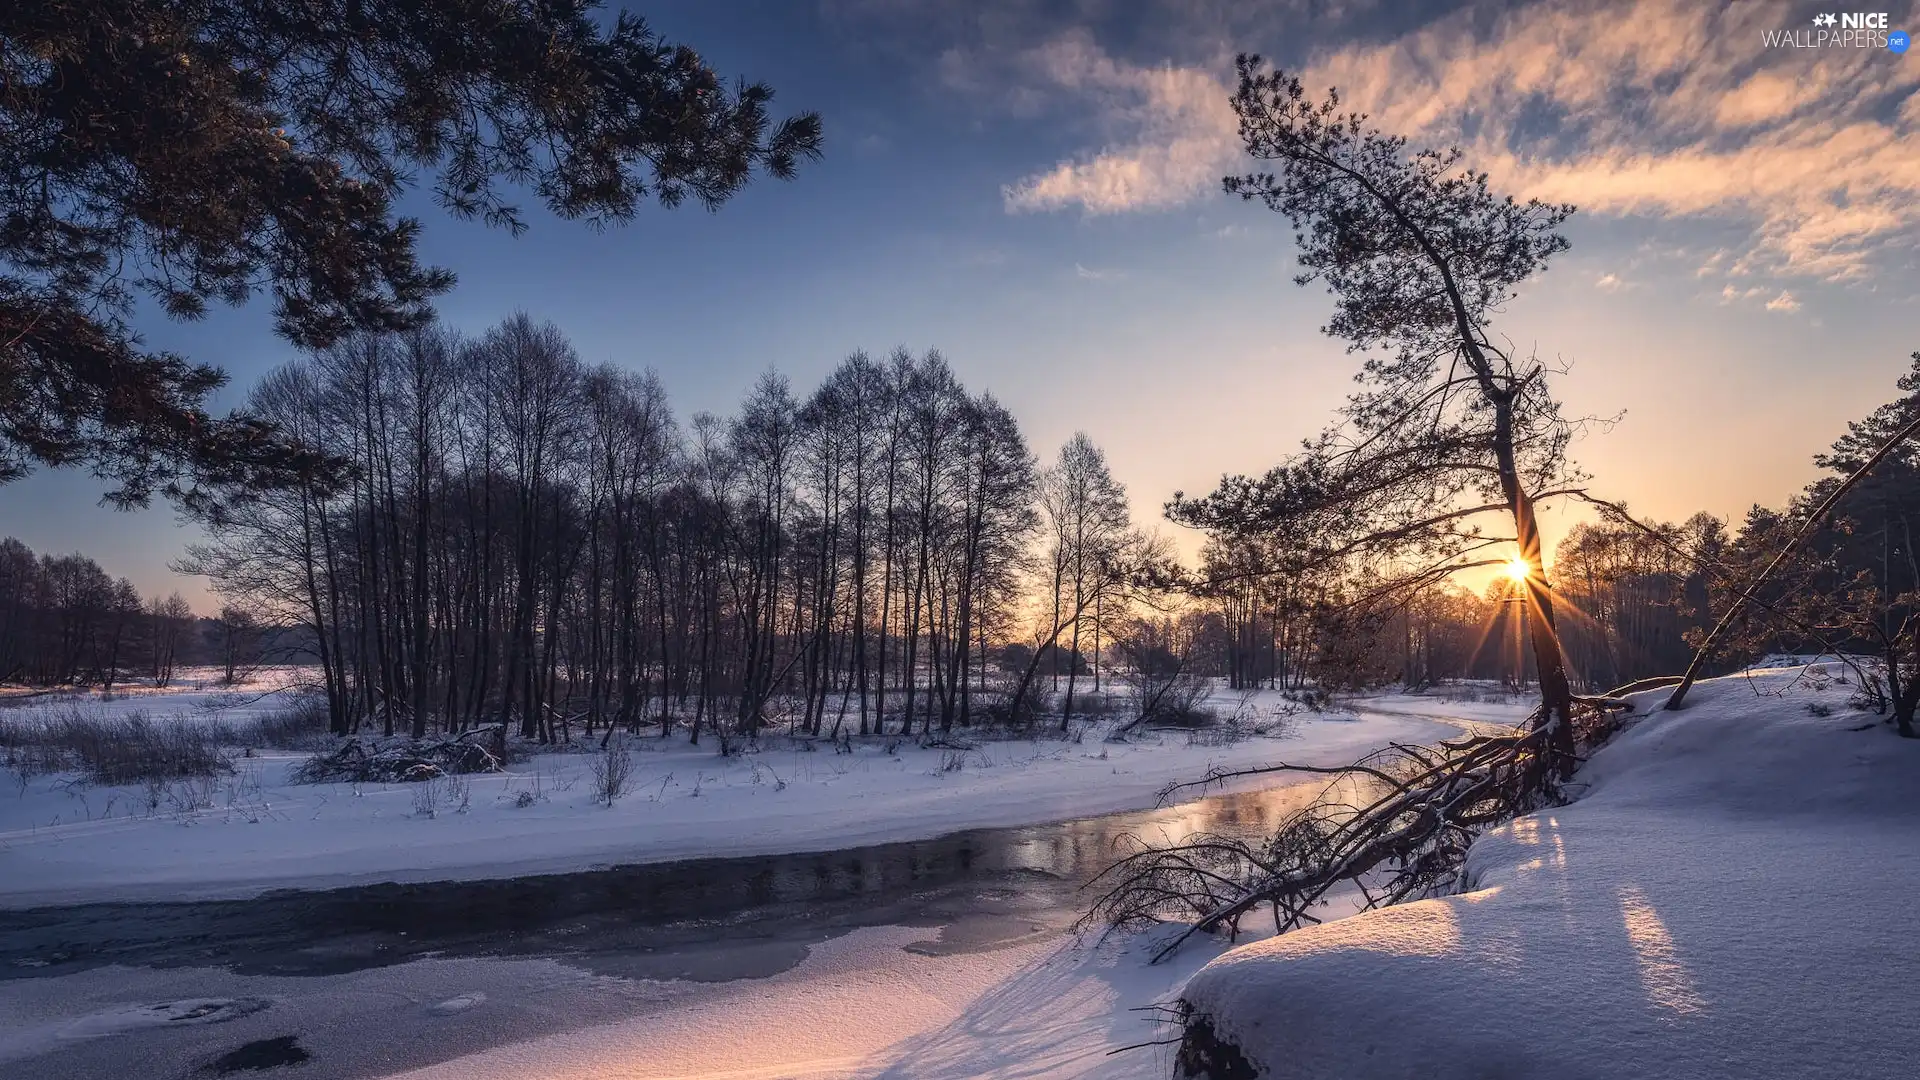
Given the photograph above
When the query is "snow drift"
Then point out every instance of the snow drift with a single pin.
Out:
(1730, 898)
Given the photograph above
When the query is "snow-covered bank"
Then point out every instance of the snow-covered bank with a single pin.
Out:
(878, 1003)
(1730, 898)
(237, 836)
(893, 1002)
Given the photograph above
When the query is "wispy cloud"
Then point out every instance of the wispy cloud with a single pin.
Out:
(1608, 283)
(1180, 129)
(1782, 302)
(1652, 108)
(1088, 273)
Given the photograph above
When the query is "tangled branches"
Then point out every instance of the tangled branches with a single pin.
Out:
(405, 760)
(1395, 825)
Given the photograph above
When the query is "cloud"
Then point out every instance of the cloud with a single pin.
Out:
(1181, 128)
(1783, 302)
(1608, 283)
(1659, 109)
(1085, 273)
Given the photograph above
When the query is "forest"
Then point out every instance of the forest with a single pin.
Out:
(64, 621)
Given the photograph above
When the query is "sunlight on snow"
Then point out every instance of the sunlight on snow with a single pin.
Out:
(1526, 830)
(1665, 978)
(1422, 929)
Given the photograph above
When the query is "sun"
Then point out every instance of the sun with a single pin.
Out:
(1518, 570)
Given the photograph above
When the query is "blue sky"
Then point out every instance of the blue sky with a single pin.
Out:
(1032, 188)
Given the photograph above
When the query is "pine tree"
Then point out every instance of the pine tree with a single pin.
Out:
(187, 152)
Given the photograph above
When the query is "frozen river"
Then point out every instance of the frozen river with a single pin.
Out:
(374, 981)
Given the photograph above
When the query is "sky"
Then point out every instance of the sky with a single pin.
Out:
(1033, 188)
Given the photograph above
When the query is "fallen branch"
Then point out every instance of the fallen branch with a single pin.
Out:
(402, 760)
(1404, 835)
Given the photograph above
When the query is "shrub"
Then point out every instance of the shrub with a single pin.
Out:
(1177, 700)
(301, 724)
(427, 797)
(612, 767)
(113, 750)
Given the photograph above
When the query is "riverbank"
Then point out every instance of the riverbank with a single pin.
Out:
(64, 842)
(941, 959)
(1725, 901)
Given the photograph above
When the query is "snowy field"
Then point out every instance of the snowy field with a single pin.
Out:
(1729, 899)
(62, 841)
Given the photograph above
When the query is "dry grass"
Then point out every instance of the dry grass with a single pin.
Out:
(131, 749)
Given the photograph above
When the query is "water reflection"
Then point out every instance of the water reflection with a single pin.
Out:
(1065, 853)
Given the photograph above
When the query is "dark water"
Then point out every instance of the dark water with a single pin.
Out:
(709, 919)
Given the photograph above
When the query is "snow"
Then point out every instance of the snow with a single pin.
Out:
(1729, 898)
(893, 1002)
(175, 1021)
(31, 1040)
(871, 1004)
(62, 842)
(905, 1003)
(197, 692)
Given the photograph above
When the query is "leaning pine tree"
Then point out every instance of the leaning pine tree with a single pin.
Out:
(1436, 466)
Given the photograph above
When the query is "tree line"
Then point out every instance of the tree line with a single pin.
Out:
(64, 621)
(523, 538)
(519, 537)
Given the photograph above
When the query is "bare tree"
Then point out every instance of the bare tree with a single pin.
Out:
(236, 635)
(169, 617)
(1095, 559)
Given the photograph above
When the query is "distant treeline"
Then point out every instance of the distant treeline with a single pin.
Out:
(1633, 600)
(65, 621)
(516, 537)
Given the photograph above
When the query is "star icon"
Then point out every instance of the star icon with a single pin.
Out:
(1826, 19)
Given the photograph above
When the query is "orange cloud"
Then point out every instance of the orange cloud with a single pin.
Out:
(1651, 108)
